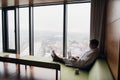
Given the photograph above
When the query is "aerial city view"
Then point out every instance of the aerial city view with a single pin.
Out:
(45, 42)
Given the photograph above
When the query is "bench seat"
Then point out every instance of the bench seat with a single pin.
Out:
(99, 71)
(66, 73)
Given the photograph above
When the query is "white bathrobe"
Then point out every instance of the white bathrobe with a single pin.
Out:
(85, 60)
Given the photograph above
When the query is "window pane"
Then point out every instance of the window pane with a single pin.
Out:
(78, 25)
(24, 30)
(48, 30)
(0, 31)
(11, 29)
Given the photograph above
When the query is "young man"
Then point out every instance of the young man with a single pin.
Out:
(84, 61)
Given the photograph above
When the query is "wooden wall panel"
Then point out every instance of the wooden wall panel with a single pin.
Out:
(113, 11)
(112, 35)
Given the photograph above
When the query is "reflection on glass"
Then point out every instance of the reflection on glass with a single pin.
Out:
(0, 31)
(78, 27)
(48, 30)
(11, 29)
(24, 30)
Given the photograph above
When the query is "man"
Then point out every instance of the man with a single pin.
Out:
(84, 61)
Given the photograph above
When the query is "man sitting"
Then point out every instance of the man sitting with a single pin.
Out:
(84, 61)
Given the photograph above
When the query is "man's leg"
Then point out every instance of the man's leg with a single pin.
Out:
(57, 58)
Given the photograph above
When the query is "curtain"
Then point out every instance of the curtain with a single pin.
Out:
(98, 18)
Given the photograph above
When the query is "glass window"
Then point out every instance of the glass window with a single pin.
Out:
(78, 28)
(48, 30)
(24, 30)
(11, 29)
(0, 31)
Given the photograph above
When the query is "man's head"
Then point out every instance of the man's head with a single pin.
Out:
(94, 43)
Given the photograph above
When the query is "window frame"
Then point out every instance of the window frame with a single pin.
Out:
(31, 26)
(1, 45)
(5, 33)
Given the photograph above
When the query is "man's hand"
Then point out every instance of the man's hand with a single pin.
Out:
(75, 58)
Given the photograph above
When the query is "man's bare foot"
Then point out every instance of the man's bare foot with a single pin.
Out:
(54, 56)
(53, 53)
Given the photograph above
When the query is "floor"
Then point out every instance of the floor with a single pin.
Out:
(10, 71)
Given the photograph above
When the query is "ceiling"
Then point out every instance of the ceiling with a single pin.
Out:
(6, 3)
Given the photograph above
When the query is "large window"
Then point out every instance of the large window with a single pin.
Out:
(24, 30)
(0, 31)
(9, 30)
(78, 27)
(48, 30)
(42, 28)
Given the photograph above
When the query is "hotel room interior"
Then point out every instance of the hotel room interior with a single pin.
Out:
(31, 29)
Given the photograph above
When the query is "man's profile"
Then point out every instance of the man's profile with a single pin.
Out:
(83, 61)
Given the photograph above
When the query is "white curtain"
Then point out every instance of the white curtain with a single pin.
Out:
(98, 18)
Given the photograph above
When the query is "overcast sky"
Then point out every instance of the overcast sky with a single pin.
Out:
(51, 18)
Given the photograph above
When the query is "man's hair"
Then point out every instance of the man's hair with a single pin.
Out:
(94, 42)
